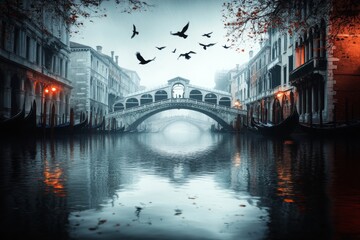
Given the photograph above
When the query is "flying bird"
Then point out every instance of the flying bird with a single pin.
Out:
(207, 34)
(186, 55)
(134, 32)
(174, 50)
(226, 47)
(161, 48)
(142, 60)
(206, 45)
(182, 32)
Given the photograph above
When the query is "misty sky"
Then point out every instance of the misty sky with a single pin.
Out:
(114, 32)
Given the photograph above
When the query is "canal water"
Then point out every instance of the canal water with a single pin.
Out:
(182, 183)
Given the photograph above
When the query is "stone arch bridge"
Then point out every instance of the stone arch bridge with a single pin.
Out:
(133, 109)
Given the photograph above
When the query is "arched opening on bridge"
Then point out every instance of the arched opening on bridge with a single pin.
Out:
(132, 102)
(178, 90)
(225, 101)
(161, 95)
(118, 107)
(146, 98)
(196, 94)
(210, 98)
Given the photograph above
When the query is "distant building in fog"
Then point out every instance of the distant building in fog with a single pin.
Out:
(222, 81)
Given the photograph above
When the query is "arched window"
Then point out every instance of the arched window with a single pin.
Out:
(161, 95)
(132, 102)
(225, 101)
(196, 94)
(118, 107)
(178, 90)
(146, 98)
(211, 98)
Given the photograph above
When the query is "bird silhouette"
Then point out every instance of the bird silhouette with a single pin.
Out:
(174, 50)
(186, 55)
(205, 46)
(182, 32)
(207, 34)
(142, 60)
(161, 48)
(134, 32)
(226, 47)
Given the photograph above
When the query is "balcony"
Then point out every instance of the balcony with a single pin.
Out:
(308, 68)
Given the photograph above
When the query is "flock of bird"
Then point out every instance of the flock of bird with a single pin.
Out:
(181, 34)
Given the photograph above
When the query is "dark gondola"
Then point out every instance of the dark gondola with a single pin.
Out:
(63, 129)
(97, 128)
(331, 129)
(12, 124)
(282, 129)
(117, 130)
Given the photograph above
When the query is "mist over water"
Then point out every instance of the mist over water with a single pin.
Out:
(180, 183)
(182, 138)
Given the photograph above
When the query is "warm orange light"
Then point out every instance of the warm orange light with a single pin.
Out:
(53, 89)
(46, 90)
(279, 94)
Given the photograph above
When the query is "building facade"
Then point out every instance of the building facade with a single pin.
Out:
(327, 75)
(98, 81)
(34, 64)
(304, 71)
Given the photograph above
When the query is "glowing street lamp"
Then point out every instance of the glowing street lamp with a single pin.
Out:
(46, 91)
(237, 104)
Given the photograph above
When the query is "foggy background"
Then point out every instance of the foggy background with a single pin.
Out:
(114, 32)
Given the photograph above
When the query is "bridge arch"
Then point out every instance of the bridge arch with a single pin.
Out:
(225, 101)
(132, 102)
(210, 98)
(196, 94)
(146, 98)
(178, 90)
(161, 95)
(137, 122)
(119, 106)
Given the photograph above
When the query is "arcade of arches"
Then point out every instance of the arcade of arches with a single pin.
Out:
(274, 109)
(177, 91)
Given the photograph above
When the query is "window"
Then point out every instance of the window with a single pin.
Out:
(38, 54)
(16, 41)
(2, 34)
(286, 80)
(28, 49)
(299, 55)
(285, 43)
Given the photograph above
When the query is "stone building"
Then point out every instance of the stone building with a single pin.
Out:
(89, 71)
(272, 97)
(306, 72)
(98, 81)
(34, 63)
(326, 74)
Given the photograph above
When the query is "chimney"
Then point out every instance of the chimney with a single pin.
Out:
(117, 59)
(112, 55)
(99, 48)
(251, 53)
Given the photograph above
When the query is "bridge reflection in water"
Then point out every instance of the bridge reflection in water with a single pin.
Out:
(224, 187)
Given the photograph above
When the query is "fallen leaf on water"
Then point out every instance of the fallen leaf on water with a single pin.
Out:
(102, 221)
